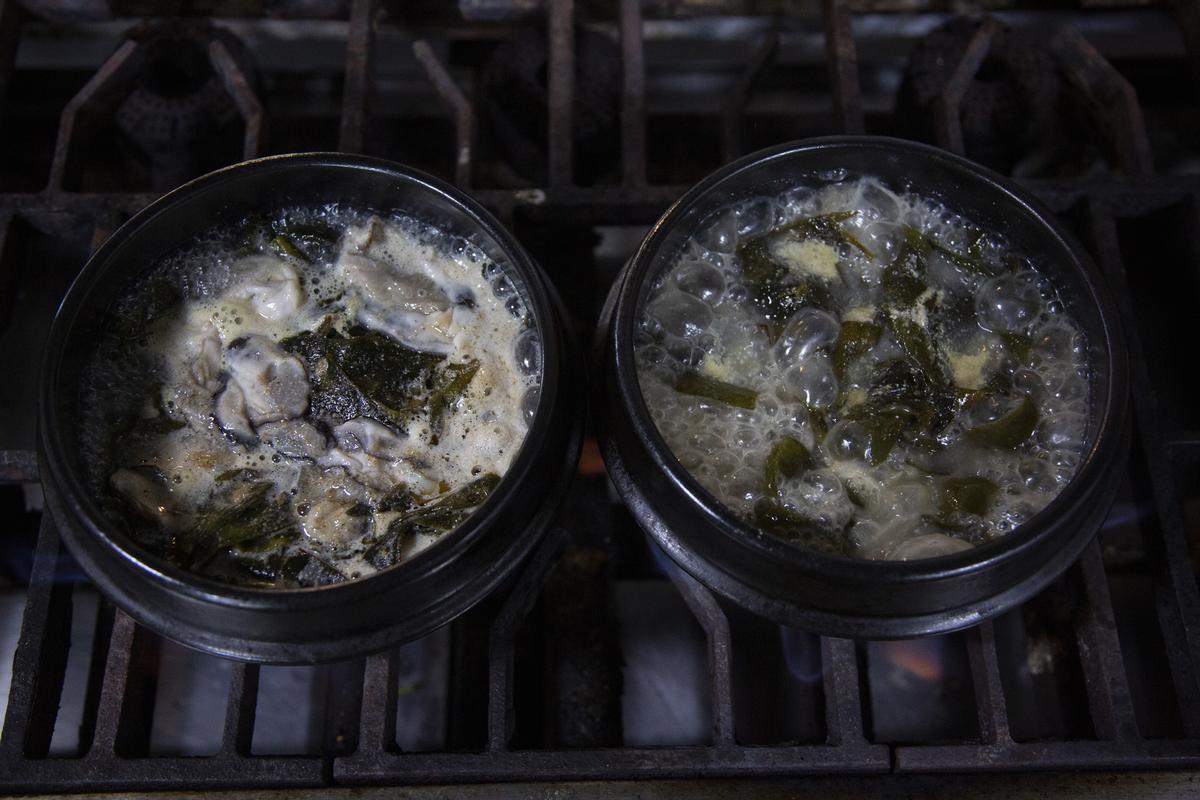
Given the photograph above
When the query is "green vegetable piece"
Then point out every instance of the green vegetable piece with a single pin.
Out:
(250, 524)
(969, 263)
(776, 292)
(787, 459)
(256, 523)
(903, 281)
(471, 495)
(1011, 430)
(693, 383)
(445, 514)
(901, 403)
(445, 397)
(914, 341)
(884, 427)
(399, 499)
(779, 520)
(284, 245)
(364, 374)
(970, 495)
(826, 226)
(854, 339)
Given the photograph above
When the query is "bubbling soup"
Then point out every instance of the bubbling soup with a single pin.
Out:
(864, 372)
(310, 398)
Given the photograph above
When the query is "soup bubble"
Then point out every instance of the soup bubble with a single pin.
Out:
(812, 381)
(807, 331)
(701, 280)
(1008, 303)
(681, 314)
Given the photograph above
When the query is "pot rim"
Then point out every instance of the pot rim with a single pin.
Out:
(1106, 421)
(77, 500)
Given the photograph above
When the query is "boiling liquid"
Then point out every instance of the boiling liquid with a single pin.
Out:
(1008, 328)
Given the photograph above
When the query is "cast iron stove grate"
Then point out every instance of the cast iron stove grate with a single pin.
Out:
(1102, 671)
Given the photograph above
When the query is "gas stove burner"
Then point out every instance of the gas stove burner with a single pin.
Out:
(179, 117)
(1010, 104)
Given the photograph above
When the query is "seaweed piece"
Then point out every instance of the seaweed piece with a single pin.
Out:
(441, 516)
(969, 495)
(914, 341)
(854, 339)
(471, 494)
(312, 239)
(903, 280)
(902, 402)
(779, 520)
(254, 524)
(444, 398)
(693, 383)
(1010, 430)
(825, 226)
(969, 263)
(400, 498)
(363, 375)
(775, 291)
(284, 245)
(787, 459)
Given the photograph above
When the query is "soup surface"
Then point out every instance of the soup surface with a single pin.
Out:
(864, 372)
(309, 399)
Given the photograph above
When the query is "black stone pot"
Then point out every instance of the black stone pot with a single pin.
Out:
(307, 625)
(836, 595)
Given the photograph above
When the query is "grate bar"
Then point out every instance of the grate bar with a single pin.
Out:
(616, 764)
(123, 718)
(733, 111)
(842, 55)
(562, 92)
(1175, 585)
(237, 84)
(716, 628)
(460, 109)
(947, 108)
(843, 695)
(504, 630)
(1100, 655)
(1111, 99)
(359, 83)
(116, 72)
(989, 692)
(1049, 756)
(41, 654)
(633, 96)
(240, 710)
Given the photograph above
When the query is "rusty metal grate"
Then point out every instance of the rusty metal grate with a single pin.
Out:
(498, 721)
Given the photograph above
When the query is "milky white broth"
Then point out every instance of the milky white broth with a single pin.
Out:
(864, 372)
(309, 398)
